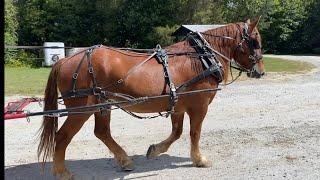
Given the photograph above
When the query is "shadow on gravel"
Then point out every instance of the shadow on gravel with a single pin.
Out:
(105, 168)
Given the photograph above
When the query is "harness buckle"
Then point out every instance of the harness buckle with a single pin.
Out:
(90, 69)
(252, 58)
(172, 87)
(89, 51)
(120, 81)
(97, 91)
(75, 75)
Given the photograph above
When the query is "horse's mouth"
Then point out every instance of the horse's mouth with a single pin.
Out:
(255, 74)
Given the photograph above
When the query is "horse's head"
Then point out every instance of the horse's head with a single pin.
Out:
(248, 52)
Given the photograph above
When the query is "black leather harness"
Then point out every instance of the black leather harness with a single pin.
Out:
(211, 66)
(208, 59)
(94, 90)
(163, 59)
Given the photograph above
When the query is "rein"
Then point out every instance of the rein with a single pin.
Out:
(224, 37)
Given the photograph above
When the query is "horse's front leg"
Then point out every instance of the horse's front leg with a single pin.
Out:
(177, 125)
(102, 131)
(197, 116)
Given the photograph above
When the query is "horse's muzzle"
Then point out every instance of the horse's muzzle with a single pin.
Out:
(255, 74)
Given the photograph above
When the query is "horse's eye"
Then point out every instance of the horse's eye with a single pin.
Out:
(255, 44)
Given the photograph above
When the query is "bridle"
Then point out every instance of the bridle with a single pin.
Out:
(252, 45)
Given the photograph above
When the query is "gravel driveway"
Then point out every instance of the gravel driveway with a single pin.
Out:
(265, 128)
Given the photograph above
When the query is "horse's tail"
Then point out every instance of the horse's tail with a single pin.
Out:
(49, 124)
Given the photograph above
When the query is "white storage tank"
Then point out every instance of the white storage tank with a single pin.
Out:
(53, 51)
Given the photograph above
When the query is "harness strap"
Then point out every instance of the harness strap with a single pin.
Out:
(163, 58)
(212, 70)
(77, 93)
(137, 66)
(120, 81)
(94, 90)
(75, 74)
(90, 68)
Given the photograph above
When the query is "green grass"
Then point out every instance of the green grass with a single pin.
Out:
(25, 81)
(286, 66)
(30, 81)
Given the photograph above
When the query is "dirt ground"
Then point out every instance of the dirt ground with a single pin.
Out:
(265, 128)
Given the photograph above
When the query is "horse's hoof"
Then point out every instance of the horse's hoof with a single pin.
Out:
(127, 164)
(129, 167)
(203, 163)
(151, 151)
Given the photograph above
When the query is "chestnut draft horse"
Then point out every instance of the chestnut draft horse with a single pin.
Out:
(240, 42)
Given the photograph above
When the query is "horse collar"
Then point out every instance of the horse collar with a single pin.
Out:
(207, 58)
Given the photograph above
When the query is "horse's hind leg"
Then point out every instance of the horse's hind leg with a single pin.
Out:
(102, 131)
(197, 115)
(177, 125)
(63, 137)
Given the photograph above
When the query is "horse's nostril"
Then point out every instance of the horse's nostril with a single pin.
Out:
(262, 73)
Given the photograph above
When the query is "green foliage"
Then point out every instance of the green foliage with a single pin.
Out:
(316, 50)
(162, 35)
(286, 26)
(307, 35)
(286, 17)
(10, 28)
(210, 12)
(74, 22)
(25, 58)
(137, 18)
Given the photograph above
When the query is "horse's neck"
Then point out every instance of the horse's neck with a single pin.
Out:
(223, 46)
(179, 47)
(227, 48)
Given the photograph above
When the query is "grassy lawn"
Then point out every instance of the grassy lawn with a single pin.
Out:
(25, 81)
(281, 65)
(30, 81)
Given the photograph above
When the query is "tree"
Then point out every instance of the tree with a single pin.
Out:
(306, 38)
(138, 18)
(285, 19)
(74, 22)
(10, 29)
(285, 26)
(210, 12)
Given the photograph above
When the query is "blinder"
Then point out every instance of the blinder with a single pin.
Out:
(253, 44)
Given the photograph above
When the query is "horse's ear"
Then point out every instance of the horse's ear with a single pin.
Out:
(248, 21)
(255, 23)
